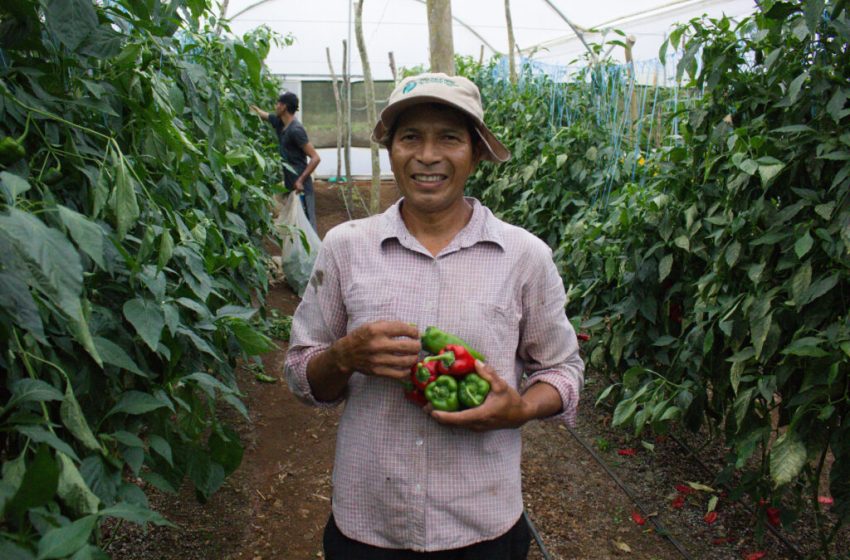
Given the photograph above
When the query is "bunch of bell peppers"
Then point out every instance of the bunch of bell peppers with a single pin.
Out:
(446, 378)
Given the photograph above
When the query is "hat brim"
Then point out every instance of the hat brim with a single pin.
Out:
(495, 150)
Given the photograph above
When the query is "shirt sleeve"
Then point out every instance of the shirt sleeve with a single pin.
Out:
(275, 121)
(548, 344)
(319, 321)
(299, 136)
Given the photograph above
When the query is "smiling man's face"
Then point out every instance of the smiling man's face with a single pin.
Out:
(432, 154)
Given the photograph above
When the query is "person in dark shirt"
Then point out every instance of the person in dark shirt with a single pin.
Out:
(295, 149)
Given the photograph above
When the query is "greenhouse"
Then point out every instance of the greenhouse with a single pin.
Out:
(340, 279)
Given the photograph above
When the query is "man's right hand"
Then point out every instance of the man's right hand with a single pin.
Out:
(383, 348)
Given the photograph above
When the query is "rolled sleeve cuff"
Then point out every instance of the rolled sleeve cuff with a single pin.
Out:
(568, 386)
(295, 371)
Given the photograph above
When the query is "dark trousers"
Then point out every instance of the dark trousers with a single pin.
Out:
(513, 545)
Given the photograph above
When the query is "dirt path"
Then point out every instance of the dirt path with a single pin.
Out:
(275, 506)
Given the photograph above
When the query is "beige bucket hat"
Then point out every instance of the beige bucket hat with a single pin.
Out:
(454, 91)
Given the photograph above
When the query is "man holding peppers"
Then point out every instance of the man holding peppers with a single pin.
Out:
(432, 484)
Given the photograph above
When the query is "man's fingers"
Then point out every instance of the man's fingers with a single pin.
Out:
(497, 384)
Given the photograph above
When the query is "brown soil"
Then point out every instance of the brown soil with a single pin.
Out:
(276, 504)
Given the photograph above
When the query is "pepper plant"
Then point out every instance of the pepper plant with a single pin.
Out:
(715, 280)
(134, 196)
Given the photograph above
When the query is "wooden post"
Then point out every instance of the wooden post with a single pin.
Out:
(371, 112)
(511, 62)
(346, 81)
(633, 111)
(338, 103)
(393, 68)
(440, 37)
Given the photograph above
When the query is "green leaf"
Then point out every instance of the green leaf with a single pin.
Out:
(13, 185)
(64, 541)
(624, 412)
(37, 486)
(115, 355)
(787, 458)
(803, 245)
(759, 327)
(560, 160)
(123, 199)
(665, 265)
(251, 340)
(86, 234)
(73, 490)
(801, 281)
(136, 402)
(742, 405)
(40, 435)
(818, 289)
(769, 168)
(806, 346)
(836, 103)
(70, 21)
(733, 251)
(128, 439)
(226, 449)
(19, 303)
(32, 390)
(147, 318)
(161, 446)
(135, 514)
(54, 267)
(683, 242)
(74, 419)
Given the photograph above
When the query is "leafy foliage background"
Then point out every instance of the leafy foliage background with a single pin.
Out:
(133, 202)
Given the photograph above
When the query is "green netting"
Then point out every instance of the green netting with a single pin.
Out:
(319, 111)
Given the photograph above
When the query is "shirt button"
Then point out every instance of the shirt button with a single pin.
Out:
(420, 441)
(418, 487)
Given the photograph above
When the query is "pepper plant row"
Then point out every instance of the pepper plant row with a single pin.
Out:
(715, 282)
(133, 201)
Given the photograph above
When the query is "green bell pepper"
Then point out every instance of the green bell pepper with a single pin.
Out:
(472, 390)
(442, 393)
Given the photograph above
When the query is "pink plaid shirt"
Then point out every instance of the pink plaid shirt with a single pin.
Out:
(401, 480)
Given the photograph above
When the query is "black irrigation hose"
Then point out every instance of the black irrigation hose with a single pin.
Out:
(686, 448)
(537, 538)
(658, 527)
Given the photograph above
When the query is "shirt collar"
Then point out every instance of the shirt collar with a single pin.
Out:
(483, 227)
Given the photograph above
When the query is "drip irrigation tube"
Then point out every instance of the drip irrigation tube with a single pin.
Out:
(537, 538)
(659, 528)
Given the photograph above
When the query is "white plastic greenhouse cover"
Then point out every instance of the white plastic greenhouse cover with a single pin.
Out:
(400, 27)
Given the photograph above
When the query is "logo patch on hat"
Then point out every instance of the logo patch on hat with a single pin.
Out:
(409, 87)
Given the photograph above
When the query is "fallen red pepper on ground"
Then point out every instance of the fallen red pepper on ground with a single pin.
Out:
(678, 502)
(755, 555)
(626, 452)
(710, 517)
(638, 518)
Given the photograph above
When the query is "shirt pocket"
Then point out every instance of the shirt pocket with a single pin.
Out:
(366, 306)
(498, 333)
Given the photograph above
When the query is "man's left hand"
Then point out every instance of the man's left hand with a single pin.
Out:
(299, 184)
(503, 408)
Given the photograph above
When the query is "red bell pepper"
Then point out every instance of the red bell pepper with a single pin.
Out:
(414, 395)
(453, 360)
(423, 373)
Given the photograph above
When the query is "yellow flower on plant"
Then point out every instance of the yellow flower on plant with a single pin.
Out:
(641, 161)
